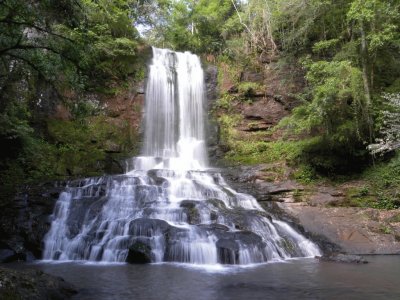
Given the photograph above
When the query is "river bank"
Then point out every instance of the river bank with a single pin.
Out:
(318, 213)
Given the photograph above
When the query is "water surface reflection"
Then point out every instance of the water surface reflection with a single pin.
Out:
(294, 279)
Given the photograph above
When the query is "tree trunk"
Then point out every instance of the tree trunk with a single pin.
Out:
(366, 80)
(364, 63)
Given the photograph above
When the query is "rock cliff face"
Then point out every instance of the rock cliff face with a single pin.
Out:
(212, 128)
(260, 98)
(25, 222)
(95, 144)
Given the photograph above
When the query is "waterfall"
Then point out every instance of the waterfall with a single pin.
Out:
(169, 206)
(174, 119)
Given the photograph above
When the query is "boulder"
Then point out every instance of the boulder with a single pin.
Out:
(230, 244)
(228, 251)
(7, 255)
(189, 206)
(214, 227)
(266, 109)
(33, 285)
(156, 176)
(280, 187)
(147, 227)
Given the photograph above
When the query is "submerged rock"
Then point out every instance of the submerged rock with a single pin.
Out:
(343, 258)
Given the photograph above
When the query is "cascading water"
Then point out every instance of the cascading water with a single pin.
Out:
(168, 206)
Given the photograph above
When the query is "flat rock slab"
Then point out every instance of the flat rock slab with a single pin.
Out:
(280, 187)
(324, 196)
(265, 109)
(353, 229)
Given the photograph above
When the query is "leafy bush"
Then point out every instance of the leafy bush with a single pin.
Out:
(248, 88)
(337, 114)
(325, 45)
(305, 174)
(225, 102)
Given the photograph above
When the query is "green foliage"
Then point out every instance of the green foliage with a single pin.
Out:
(248, 88)
(337, 113)
(88, 42)
(385, 202)
(379, 18)
(386, 229)
(14, 122)
(380, 189)
(73, 148)
(384, 179)
(256, 152)
(305, 174)
(199, 26)
(106, 40)
(75, 46)
(227, 123)
(82, 147)
(55, 49)
(325, 46)
(83, 108)
(364, 191)
(225, 102)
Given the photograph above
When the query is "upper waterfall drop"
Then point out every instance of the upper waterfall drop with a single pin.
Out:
(174, 113)
(168, 206)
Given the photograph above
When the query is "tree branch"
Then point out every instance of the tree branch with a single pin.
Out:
(240, 18)
(37, 28)
(37, 69)
(27, 47)
(32, 65)
(33, 47)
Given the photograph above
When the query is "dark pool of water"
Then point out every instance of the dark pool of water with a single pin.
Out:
(295, 279)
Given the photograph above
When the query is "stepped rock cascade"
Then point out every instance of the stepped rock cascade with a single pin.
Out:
(168, 206)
